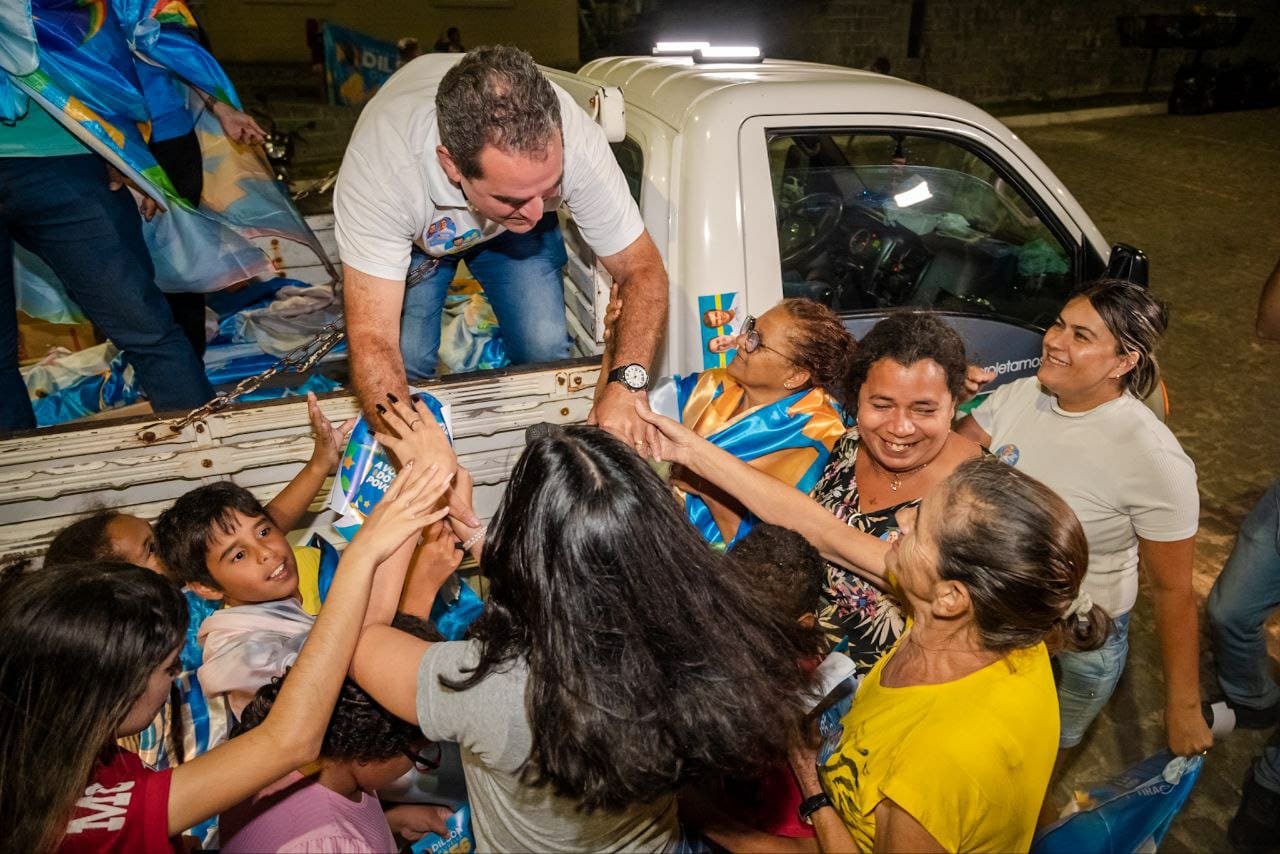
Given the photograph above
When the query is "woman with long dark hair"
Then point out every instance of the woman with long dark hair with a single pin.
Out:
(88, 653)
(618, 657)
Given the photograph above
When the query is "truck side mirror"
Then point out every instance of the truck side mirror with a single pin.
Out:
(1128, 263)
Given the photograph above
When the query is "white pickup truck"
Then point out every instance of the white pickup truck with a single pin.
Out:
(756, 181)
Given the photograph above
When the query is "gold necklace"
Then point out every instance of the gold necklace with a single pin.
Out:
(898, 476)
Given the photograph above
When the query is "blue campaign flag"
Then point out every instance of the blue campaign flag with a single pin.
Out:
(355, 65)
(1127, 814)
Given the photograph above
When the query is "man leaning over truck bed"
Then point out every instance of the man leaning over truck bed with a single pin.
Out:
(469, 160)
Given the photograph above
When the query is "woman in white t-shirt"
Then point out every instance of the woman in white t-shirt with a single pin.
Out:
(1081, 427)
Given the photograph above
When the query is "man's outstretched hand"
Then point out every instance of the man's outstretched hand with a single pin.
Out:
(615, 411)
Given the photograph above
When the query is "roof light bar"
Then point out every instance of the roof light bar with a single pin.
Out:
(735, 53)
(678, 48)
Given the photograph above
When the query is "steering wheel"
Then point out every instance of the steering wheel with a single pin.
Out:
(805, 225)
(882, 277)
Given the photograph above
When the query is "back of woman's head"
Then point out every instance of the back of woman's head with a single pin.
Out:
(650, 660)
(907, 337)
(1022, 554)
(822, 346)
(78, 644)
(1138, 321)
(82, 540)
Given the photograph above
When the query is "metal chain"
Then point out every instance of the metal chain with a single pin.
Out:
(297, 360)
(319, 186)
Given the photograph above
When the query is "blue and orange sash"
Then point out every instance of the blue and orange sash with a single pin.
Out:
(789, 440)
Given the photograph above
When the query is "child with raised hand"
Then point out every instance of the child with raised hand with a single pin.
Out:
(115, 536)
(87, 655)
(332, 804)
(225, 545)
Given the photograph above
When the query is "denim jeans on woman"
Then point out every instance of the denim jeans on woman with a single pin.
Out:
(1244, 595)
(61, 209)
(521, 277)
(1086, 681)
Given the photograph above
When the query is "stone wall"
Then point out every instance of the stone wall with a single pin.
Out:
(988, 51)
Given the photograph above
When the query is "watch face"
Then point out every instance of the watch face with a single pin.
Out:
(635, 376)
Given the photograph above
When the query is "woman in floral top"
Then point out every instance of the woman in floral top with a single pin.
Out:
(907, 379)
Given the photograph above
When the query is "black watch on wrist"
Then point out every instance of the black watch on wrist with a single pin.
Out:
(811, 805)
(633, 376)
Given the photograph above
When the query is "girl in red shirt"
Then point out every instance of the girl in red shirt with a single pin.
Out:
(87, 655)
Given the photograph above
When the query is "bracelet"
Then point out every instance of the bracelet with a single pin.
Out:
(811, 805)
(474, 538)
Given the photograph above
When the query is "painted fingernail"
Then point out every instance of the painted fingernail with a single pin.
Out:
(382, 410)
(392, 398)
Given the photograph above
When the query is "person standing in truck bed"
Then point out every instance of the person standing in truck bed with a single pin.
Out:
(469, 160)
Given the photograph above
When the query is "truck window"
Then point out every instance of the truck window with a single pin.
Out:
(878, 220)
(631, 158)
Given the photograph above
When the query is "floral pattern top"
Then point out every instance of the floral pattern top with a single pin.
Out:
(852, 608)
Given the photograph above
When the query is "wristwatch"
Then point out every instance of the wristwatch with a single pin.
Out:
(633, 376)
(811, 805)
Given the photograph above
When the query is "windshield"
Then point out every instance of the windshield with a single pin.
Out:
(870, 221)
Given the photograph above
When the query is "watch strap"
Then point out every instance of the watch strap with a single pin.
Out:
(812, 804)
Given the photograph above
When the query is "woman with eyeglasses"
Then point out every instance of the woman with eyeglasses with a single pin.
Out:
(777, 405)
(332, 804)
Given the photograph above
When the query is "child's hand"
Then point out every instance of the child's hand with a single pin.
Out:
(436, 558)
(414, 821)
(415, 435)
(408, 506)
(329, 440)
(612, 312)
(462, 513)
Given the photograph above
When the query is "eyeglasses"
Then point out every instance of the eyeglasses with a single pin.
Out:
(751, 339)
(425, 762)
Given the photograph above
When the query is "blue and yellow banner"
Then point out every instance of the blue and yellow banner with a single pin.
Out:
(789, 440)
(78, 60)
(355, 65)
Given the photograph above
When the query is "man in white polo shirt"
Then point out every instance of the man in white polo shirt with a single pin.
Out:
(468, 159)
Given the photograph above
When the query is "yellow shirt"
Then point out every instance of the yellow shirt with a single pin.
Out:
(968, 759)
(308, 560)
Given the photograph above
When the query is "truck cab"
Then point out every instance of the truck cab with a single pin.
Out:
(757, 181)
(865, 192)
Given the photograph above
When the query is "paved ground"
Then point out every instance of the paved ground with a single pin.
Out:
(1201, 195)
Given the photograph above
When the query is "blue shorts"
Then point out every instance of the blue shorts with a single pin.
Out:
(1086, 681)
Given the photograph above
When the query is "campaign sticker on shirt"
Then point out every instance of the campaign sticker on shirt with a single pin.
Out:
(1008, 454)
(440, 234)
(366, 471)
(463, 241)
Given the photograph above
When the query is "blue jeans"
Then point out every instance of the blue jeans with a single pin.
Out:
(521, 277)
(1086, 681)
(60, 209)
(1246, 592)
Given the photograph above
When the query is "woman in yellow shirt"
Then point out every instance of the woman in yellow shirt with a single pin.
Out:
(952, 736)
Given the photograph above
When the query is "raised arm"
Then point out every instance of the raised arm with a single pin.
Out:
(641, 282)
(772, 500)
(292, 733)
(291, 504)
